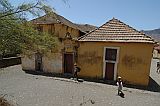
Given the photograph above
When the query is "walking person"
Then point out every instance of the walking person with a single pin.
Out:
(158, 67)
(120, 86)
(76, 70)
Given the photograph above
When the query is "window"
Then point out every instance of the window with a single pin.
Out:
(51, 29)
(40, 28)
(111, 54)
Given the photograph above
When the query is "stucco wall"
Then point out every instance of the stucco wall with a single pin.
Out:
(52, 63)
(28, 62)
(60, 30)
(133, 65)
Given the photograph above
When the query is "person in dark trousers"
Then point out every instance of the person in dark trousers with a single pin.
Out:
(76, 70)
(158, 67)
(120, 86)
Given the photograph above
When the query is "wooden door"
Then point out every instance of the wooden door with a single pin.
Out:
(68, 63)
(109, 71)
(110, 62)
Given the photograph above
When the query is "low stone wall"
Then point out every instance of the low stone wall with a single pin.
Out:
(5, 62)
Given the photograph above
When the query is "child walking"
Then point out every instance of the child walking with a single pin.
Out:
(120, 85)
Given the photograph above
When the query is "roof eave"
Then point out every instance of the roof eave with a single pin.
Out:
(151, 42)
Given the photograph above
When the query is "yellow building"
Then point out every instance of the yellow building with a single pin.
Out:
(67, 33)
(116, 49)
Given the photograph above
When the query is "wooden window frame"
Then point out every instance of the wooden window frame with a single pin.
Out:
(110, 61)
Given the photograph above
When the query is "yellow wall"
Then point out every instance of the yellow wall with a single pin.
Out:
(60, 30)
(133, 66)
(54, 61)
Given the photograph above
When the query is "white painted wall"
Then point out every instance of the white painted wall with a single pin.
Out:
(28, 63)
(52, 63)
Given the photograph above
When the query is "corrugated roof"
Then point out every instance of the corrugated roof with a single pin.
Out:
(116, 31)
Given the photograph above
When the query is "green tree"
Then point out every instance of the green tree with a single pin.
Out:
(17, 35)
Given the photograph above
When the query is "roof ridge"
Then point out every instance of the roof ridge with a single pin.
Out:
(114, 28)
(92, 30)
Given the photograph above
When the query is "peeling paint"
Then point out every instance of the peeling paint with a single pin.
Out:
(131, 61)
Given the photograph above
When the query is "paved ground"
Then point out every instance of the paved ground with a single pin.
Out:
(33, 90)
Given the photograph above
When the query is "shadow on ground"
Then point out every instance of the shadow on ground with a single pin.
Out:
(153, 86)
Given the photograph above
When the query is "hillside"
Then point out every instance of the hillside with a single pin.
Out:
(86, 27)
(154, 33)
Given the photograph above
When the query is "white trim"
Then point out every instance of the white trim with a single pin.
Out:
(116, 62)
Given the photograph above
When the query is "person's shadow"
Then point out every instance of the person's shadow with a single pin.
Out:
(121, 94)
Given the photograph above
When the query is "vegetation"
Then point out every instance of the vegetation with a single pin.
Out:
(17, 35)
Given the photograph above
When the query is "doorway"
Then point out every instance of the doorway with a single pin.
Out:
(110, 63)
(68, 63)
(38, 62)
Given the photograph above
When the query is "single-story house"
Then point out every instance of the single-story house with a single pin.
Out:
(116, 49)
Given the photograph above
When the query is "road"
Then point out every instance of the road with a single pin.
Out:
(24, 89)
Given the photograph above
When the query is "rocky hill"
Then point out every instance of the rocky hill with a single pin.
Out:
(86, 27)
(154, 33)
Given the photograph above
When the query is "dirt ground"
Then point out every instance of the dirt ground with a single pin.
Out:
(22, 89)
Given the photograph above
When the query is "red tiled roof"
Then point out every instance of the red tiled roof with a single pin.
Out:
(116, 31)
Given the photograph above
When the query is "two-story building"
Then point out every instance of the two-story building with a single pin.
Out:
(67, 33)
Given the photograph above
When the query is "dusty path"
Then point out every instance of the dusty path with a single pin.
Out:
(33, 90)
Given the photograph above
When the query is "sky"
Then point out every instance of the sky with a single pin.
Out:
(139, 14)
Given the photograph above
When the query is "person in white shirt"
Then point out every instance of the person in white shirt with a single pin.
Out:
(120, 85)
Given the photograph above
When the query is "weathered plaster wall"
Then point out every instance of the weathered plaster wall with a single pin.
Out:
(133, 65)
(60, 30)
(52, 63)
(28, 62)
